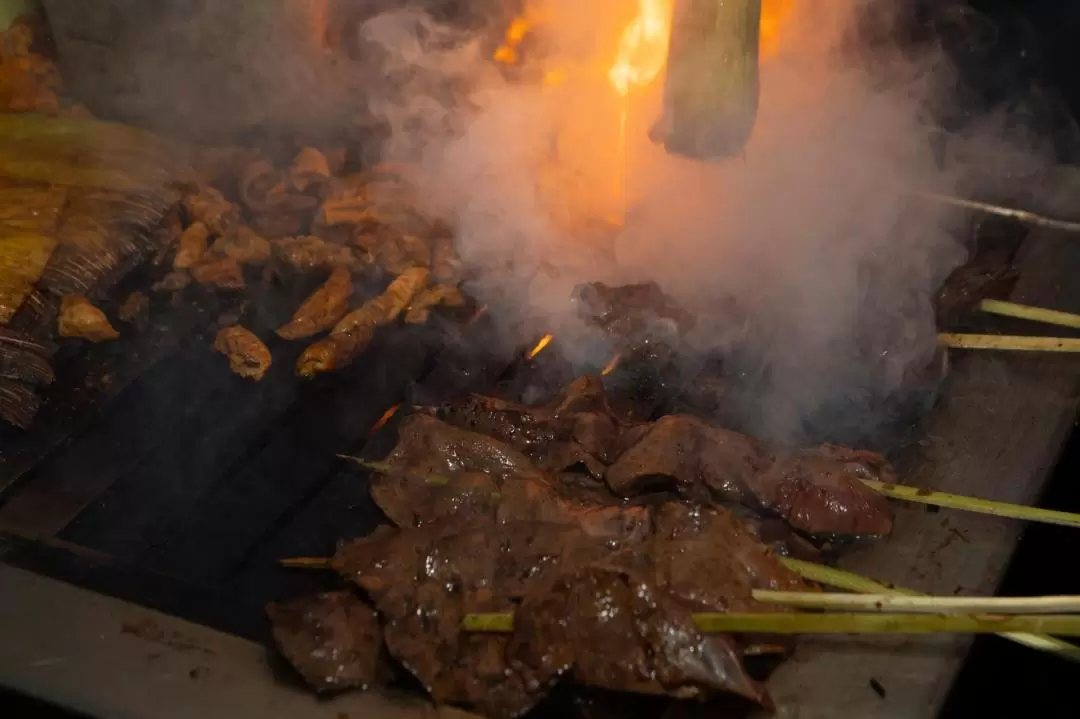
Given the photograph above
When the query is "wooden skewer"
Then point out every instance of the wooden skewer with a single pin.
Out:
(834, 623)
(307, 562)
(1019, 343)
(915, 604)
(1027, 312)
(1022, 215)
(832, 577)
(974, 504)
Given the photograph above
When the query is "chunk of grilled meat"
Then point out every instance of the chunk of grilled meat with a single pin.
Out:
(225, 273)
(307, 252)
(388, 306)
(333, 353)
(429, 299)
(80, 318)
(247, 355)
(243, 245)
(322, 309)
(192, 246)
(18, 403)
(212, 209)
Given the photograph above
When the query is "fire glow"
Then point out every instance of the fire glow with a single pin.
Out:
(544, 342)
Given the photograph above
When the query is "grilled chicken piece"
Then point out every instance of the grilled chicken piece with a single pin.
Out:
(242, 245)
(212, 209)
(225, 273)
(79, 318)
(248, 356)
(18, 403)
(388, 306)
(333, 353)
(429, 299)
(322, 309)
(192, 246)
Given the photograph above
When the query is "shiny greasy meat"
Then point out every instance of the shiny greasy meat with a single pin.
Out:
(333, 639)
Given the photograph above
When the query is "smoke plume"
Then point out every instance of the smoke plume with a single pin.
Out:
(811, 233)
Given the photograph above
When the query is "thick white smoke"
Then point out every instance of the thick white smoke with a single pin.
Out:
(811, 232)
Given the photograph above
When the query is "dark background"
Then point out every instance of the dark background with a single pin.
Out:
(1027, 54)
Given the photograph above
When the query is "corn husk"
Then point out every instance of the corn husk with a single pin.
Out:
(711, 88)
(23, 257)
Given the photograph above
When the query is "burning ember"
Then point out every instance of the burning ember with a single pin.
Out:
(612, 364)
(384, 419)
(544, 342)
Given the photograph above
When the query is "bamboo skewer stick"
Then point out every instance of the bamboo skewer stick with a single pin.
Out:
(384, 468)
(1021, 343)
(836, 623)
(1027, 312)
(840, 579)
(914, 604)
(307, 562)
(974, 504)
(1023, 215)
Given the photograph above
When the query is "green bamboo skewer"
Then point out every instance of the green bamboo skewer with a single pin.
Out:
(914, 604)
(1027, 312)
(974, 504)
(841, 623)
(856, 583)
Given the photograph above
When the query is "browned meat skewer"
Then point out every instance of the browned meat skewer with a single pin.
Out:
(322, 309)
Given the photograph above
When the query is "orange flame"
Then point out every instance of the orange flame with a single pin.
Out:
(611, 365)
(643, 47)
(507, 53)
(544, 342)
(386, 417)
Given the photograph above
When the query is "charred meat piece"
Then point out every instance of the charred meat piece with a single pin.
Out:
(192, 246)
(608, 629)
(247, 355)
(23, 359)
(225, 273)
(135, 309)
(429, 446)
(18, 403)
(243, 245)
(699, 461)
(79, 318)
(332, 639)
(429, 299)
(322, 309)
(631, 310)
(575, 429)
(818, 492)
(333, 353)
(970, 284)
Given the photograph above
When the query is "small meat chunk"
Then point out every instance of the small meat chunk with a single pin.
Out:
(192, 246)
(308, 253)
(818, 492)
(212, 209)
(388, 306)
(700, 461)
(247, 355)
(80, 318)
(332, 639)
(225, 273)
(322, 309)
(429, 299)
(242, 245)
